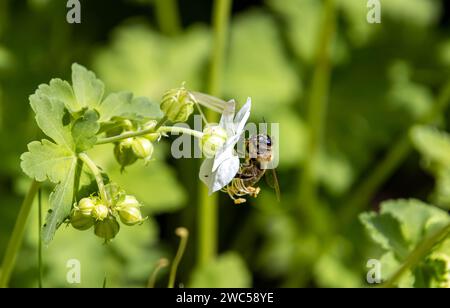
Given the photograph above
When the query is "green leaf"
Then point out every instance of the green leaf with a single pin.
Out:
(435, 271)
(88, 89)
(123, 104)
(53, 118)
(60, 204)
(433, 144)
(417, 219)
(84, 130)
(62, 91)
(227, 271)
(47, 160)
(399, 228)
(385, 230)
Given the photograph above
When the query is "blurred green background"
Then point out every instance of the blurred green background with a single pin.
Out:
(385, 77)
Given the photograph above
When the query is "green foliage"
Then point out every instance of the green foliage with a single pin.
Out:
(228, 271)
(434, 146)
(123, 104)
(268, 77)
(399, 227)
(46, 160)
(72, 118)
(84, 130)
(152, 77)
(87, 87)
(61, 200)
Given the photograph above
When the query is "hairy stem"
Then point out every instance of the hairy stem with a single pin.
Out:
(162, 129)
(417, 254)
(97, 174)
(208, 205)
(395, 156)
(15, 241)
(167, 16)
(317, 109)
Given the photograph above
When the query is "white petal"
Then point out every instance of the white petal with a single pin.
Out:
(206, 174)
(225, 173)
(242, 116)
(223, 154)
(226, 121)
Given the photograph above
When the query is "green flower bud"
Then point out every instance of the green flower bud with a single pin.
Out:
(100, 212)
(80, 221)
(214, 137)
(107, 228)
(124, 154)
(127, 201)
(177, 104)
(118, 127)
(142, 148)
(152, 137)
(130, 215)
(85, 206)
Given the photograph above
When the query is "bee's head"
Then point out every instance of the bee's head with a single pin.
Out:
(260, 148)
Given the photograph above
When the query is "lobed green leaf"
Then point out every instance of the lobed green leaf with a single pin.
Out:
(84, 130)
(47, 160)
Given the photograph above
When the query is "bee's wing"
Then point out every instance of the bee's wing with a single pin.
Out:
(272, 181)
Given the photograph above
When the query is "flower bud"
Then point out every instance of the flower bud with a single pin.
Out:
(100, 212)
(177, 104)
(123, 152)
(214, 137)
(107, 228)
(142, 148)
(85, 206)
(130, 215)
(152, 137)
(80, 221)
(128, 200)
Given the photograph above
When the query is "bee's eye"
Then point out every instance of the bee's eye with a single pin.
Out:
(269, 141)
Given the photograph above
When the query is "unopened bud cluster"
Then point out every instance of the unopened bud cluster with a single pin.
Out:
(129, 150)
(94, 212)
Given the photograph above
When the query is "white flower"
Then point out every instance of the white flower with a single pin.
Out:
(217, 172)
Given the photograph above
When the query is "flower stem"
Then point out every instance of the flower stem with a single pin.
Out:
(15, 241)
(40, 265)
(162, 129)
(395, 156)
(162, 263)
(317, 108)
(97, 174)
(167, 16)
(183, 234)
(417, 254)
(208, 205)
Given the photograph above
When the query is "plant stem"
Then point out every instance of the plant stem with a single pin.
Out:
(97, 174)
(162, 263)
(317, 108)
(167, 16)
(15, 241)
(417, 254)
(395, 156)
(208, 205)
(40, 265)
(183, 234)
(162, 129)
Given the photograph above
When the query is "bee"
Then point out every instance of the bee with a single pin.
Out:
(258, 154)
